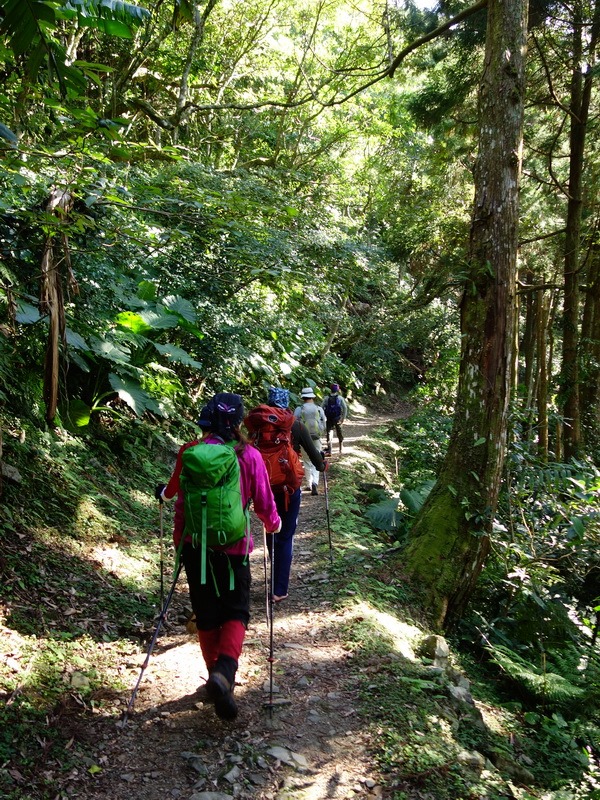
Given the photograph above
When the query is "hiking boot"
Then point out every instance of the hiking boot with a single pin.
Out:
(219, 692)
(314, 489)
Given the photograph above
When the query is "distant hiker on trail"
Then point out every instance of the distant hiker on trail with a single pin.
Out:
(313, 417)
(278, 435)
(215, 481)
(336, 411)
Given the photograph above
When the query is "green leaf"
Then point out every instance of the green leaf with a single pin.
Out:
(479, 442)
(79, 360)
(8, 135)
(96, 67)
(576, 529)
(76, 341)
(413, 499)
(176, 354)
(384, 515)
(79, 413)
(131, 393)
(110, 351)
(26, 313)
(133, 322)
(112, 27)
(71, 77)
(182, 10)
(181, 306)
(159, 321)
(21, 20)
(146, 291)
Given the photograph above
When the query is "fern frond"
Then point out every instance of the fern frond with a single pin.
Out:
(546, 685)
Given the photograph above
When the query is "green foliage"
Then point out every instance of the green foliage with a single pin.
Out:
(220, 240)
(543, 684)
(30, 28)
(386, 515)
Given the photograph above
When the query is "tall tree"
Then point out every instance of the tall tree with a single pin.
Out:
(584, 43)
(450, 538)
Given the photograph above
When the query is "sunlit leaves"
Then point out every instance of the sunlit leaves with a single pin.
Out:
(30, 28)
(113, 17)
(78, 413)
(132, 321)
(146, 290)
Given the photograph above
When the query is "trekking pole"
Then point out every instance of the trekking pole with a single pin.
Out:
(162, 558)
(327, 515)
(161, 619)
(265, 550)
(271, 603)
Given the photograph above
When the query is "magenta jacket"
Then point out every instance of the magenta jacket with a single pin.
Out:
(254, 485)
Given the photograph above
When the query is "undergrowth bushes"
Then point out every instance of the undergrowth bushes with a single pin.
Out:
(532, 625)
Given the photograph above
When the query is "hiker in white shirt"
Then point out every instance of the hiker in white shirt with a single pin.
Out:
(313, 417)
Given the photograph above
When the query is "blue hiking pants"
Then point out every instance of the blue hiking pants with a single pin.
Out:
(284, 541)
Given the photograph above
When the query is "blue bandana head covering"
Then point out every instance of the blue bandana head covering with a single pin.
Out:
(278, 397)
(335, 387)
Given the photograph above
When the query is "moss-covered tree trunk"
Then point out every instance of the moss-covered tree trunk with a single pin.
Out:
(450, 538)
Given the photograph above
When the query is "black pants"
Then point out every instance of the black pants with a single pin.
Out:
(214, 602)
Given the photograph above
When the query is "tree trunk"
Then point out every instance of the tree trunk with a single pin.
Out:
(528, 349)
(52, 302)
(590, 358)
(581, 91)
(450, 538)
(542, 389)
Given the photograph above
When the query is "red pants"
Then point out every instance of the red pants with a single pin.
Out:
(224, 641)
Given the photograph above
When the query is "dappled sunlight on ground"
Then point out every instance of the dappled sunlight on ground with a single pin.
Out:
(403, 635)
(182, 663)
(117, 561)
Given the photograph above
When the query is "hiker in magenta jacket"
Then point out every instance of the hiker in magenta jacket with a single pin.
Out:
(222, 613)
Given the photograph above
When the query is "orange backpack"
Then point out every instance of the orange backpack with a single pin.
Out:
(270, 432)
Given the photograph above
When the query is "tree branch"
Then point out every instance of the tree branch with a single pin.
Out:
(312, 95)
(542, 236)
(428, 37)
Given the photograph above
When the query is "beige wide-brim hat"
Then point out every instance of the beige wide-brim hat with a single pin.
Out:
(307, 393)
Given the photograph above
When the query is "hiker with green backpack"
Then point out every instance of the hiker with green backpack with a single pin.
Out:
(215, 480)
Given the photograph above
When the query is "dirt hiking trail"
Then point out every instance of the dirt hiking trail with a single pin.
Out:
(312, 745)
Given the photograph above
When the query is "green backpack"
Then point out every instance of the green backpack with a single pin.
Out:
(213, 510)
